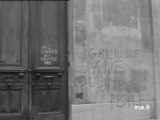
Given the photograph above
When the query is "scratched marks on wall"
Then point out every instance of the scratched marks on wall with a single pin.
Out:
(80, 81)
(113, 53)
(116, 70)
(122, 100)
(126, 100)
(109, 38)
(80, 43)
(111, 73)
(49, 55)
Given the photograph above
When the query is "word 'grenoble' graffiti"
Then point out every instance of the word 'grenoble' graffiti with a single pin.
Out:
(115, 53)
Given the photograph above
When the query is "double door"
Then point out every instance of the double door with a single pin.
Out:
(33, 60)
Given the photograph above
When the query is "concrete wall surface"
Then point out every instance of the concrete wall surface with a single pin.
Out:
(115, 60)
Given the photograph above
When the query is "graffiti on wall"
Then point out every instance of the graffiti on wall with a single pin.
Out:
(125, 100)
(80, 81)
(109, 69)
(49, 55)
(110, 75)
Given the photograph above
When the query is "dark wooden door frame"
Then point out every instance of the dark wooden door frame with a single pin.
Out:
(28, 68)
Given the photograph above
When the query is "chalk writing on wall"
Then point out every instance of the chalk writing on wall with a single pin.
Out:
(114, 53)
(48, 55)
(109, 70)
(129, 100)
(80, 81)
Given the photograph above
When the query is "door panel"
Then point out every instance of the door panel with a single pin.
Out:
(10, 101)
(48, 26)
(48, 95)
(10, 33)
(47, 100)
(13, 32)
(49, 32)
(13, 94)
(47, 92)
(13, 60)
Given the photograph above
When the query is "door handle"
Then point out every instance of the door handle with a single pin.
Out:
(49, 84)
(21, 74)
(37, 75)
(9, 77)
(49, 77)
(9, 84)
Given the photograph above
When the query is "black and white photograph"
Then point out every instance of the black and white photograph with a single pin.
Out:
(80, 60)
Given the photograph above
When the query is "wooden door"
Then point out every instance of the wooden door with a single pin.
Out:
(33, 60)
(48, 40)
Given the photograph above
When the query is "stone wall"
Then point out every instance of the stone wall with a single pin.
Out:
(114, 60)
